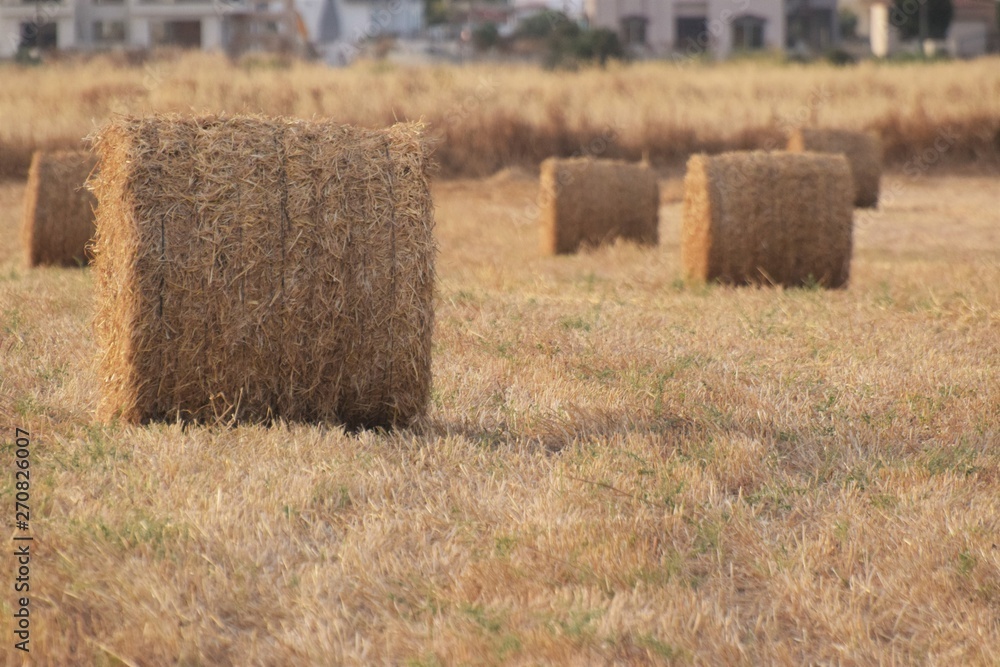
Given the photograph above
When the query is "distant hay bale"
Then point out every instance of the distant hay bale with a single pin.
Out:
(758, 217)
(251, 268)
(862, 149)
(587, 202)
(58, 220)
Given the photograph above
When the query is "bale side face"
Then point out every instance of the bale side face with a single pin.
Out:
(58, 220)
(587, 202)
(253, 268)
(767, 218)
(863, 151)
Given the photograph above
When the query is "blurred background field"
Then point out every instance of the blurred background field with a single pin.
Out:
(488, 117)
(617, 467)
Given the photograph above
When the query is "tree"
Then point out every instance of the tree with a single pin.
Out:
(599, 44)
(435, 12)
(545, 24)
(486, 36)
(922, 18)
(848, 24)
(567, 42)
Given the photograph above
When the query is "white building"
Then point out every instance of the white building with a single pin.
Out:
(88, 24)
(208, 24)
(337, 27)
(692, 27)
(973, 30)
(719, 27)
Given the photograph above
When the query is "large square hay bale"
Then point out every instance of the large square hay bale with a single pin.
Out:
(251, 268)
(758, 217)
(862, 149)
(586, 202)
(58, 220)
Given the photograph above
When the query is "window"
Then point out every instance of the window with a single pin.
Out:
(692, 35)
(40, 36)
(634, 30)
(748, 33)
(810, 28)
(176, 33)
(109, 32)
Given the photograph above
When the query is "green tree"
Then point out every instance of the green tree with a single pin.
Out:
(599, 44)
(848, 24)
(544, 24)
(485, 37)
(435, 11)
(567, 42)
(922, 18)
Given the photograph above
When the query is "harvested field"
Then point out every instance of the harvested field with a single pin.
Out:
(616, 466)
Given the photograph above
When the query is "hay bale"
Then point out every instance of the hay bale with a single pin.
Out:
(251, 268)
(758, 217)
(58, 220)
(862, 149)
(587, 202)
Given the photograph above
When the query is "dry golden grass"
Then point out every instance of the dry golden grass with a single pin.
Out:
(616, 468)
(489, 117)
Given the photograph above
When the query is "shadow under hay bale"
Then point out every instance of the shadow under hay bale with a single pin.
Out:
(251, 268)
(758, 217)
(587, 202)
(58, 220)
(863, 151)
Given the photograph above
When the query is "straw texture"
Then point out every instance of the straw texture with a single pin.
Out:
(251, 268)
(586, 202)
(58, 220)
(758, 217)
(863, 151)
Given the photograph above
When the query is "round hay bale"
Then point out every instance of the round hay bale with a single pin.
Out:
(58, 220)
(586, 202)
(253, 268)
(862, 149)
(768, 218)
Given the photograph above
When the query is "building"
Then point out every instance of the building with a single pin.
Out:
(95, 24)
(973, 30)
(719, 27)
(812, 26)
(237, 26)
(350, 22)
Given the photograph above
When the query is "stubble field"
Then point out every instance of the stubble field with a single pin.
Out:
(617, 467)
